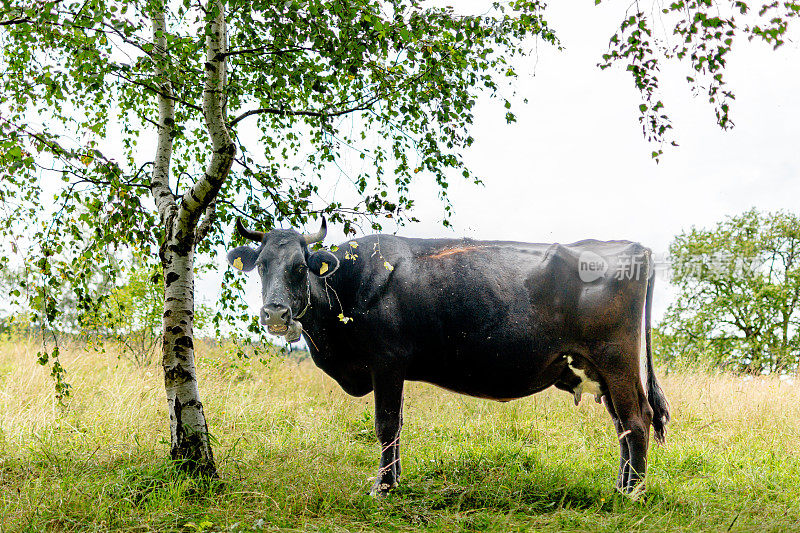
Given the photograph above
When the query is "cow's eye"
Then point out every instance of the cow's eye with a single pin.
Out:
(300, 269)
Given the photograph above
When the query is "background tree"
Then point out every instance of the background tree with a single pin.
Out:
(739, 300)
(130, 317)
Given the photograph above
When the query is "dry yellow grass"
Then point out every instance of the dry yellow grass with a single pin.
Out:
(295, 452)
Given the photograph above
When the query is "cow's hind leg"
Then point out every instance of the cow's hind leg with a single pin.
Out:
(632, 417)
(388, 419)
(624, 454)
(398, 470)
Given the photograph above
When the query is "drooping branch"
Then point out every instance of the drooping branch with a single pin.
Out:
(15, 21)
(159, 181)
(160, 92)
(200, 196)
(265, 50)
(305, 112)
(364, 105)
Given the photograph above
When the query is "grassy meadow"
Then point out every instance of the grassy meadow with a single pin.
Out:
(295, 453)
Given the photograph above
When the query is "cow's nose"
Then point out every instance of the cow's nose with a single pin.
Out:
(275, 314)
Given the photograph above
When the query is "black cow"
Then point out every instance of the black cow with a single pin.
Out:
(493, 319)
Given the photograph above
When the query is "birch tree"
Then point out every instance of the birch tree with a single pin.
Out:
(148, 125)
(409, 78)
(183, 228)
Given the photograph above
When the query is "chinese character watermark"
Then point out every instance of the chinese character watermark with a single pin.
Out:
(592, 266)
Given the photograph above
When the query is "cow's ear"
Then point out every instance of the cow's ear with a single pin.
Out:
(323, 263)
(243, 258)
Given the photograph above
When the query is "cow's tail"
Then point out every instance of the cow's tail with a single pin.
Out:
(656, 397)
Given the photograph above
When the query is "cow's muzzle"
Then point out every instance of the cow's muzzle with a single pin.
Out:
(278, 319)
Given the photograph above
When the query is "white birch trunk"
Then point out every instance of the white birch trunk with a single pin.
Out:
(189, 431)
(189, 438)
(190, 444)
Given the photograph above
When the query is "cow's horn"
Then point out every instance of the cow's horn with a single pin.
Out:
(311, 238)
(257, 236)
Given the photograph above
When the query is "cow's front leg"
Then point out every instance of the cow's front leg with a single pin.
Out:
(388, 415)
(397, 467)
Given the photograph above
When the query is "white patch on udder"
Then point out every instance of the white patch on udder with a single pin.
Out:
(586, 385)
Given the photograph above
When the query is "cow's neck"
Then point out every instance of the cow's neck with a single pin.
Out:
(325, 307)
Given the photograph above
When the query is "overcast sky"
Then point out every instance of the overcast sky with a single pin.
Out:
(575, 164)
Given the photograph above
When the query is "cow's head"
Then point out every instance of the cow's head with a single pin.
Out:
(284, 264)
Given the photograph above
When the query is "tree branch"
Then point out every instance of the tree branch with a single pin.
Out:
(159, 181)
(12, 22)
(363, 106)
(309, 113)
(265, 47)
(207, 222)
(161, 93)
(202, 195)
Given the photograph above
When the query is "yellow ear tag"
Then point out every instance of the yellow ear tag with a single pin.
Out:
(237, 263)
(323, 268)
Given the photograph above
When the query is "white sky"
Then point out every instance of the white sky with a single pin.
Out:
(575, 164)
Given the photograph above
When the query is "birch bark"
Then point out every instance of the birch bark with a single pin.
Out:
(189, 436)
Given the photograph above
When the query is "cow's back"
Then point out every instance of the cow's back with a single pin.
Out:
(489, 318)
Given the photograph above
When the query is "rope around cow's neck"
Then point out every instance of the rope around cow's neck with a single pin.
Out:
(308, 301)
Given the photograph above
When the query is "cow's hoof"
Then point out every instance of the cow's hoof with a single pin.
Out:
(634, 492)
(379, 490)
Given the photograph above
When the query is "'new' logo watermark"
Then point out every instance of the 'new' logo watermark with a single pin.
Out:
(591, 266)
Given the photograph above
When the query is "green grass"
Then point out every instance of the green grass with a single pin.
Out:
(295, 453)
